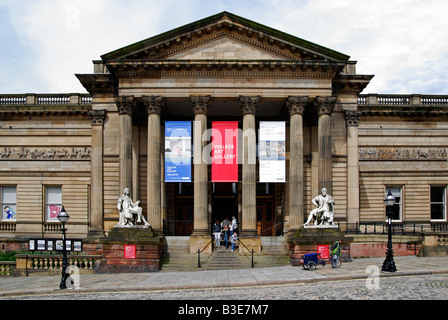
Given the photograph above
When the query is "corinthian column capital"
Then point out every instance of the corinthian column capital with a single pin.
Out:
(97, 117)
(125, 104)
(325, 105)
(249, 104)
(153, 104)
(201, 104)
(352, 118)
(296, 104)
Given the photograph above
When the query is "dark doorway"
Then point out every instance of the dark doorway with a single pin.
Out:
(224, 201)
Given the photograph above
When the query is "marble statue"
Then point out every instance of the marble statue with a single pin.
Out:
(130, 212)
(323, 214)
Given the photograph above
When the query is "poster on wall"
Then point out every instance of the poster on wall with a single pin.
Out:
(271, 151)
(224, 151)
(177, 151)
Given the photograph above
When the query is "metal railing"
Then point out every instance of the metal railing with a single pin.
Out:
(251, 251)
(200, 251)
(398, 228)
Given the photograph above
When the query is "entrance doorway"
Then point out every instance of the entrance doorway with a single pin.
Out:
(224, 201)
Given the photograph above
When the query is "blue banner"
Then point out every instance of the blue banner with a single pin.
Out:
(177, 151)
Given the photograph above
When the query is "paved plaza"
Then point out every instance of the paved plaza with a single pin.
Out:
(416, 278)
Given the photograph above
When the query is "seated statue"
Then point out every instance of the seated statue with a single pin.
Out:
(130, 212)
(324, 212)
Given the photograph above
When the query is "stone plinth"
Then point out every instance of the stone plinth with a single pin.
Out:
(306, 239)
(148, 250)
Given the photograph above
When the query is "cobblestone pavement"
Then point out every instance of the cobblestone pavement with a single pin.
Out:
(423, 287)
(416, 278)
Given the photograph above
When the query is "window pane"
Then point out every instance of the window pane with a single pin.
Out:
(438, 194)
(396, 208)
(9, 195)
(54, 195)
(9, 212)
(437, 211)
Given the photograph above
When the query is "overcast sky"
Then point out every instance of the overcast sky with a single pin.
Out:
(43, 43)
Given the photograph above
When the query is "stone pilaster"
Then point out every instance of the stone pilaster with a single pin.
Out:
(96, 210)
(154, 106)
(352, 122)
(324, 107)
(248, 106)
(126, 106)
(201, 232)
(296, 106)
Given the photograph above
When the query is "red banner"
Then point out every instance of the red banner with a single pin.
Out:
(224, 151)
(324, 251)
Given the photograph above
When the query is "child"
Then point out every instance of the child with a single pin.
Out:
(233, 240)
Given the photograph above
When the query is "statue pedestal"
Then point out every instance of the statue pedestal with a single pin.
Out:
(306, 239)
(131, 249)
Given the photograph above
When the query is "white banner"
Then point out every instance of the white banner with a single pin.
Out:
(271, 151)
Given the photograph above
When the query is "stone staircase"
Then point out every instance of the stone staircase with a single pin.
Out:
(179, 258)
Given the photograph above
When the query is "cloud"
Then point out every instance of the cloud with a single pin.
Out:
(400, 42)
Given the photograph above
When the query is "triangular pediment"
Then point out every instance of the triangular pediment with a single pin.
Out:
(224, 37)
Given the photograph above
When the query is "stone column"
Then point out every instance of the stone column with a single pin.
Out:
(352, 122)
(201, 105)
(296, 106)
(248, 106)
(126, 106)
(154, 105)
(96, 210)
(324, 106)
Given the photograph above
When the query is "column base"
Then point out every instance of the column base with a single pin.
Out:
(251, 240)
(199, 239)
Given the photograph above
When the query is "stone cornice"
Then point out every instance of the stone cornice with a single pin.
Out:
(225, 68)
(403, 111)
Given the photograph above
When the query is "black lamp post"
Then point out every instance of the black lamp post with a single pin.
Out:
(389, 263)
(63, 218)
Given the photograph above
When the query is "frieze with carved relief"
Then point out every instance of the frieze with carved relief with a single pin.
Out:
(45, 153)
(393, 153)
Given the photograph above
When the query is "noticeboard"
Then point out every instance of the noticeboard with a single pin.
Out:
(129, 251)
(323, 249)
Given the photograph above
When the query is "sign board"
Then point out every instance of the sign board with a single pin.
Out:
(272, 151)
(324, 251)
(224, 151)
(129, 251)
(177, 151)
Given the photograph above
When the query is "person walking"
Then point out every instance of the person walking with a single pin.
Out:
(225, 233)
(233, 239)
(217, 234)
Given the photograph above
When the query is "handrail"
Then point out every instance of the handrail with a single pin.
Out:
(200, 251)
(275, 225)
(251, 251)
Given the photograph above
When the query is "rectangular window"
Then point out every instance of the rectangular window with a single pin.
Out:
(53, 203)
(438, 203)
(9, 203)
(397, 208)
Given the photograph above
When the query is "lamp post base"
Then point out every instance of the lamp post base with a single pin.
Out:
(389, 263)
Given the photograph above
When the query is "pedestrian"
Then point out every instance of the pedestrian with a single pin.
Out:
(217, 234)
(226, 235)
(335, 251)
(231, 228)
(235, 225)
(233, 239)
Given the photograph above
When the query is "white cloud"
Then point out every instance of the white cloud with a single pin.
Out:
(402, 42)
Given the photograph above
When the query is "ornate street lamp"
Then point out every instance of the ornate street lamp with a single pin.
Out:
(63, 218)
(389, 263)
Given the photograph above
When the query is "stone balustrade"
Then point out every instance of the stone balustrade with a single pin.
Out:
(38, 263)
(45, 99)
(402, 100)
(7, 268)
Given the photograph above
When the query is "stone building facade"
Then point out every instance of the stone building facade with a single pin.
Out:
(82, 150)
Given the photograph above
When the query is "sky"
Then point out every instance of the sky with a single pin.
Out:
(44, 43)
